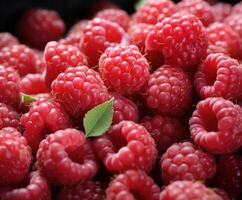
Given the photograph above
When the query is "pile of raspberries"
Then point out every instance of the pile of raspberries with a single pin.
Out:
(174, 73)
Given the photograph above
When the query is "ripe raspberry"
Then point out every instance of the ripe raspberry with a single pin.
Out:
(44, 117)
(78, 90)
(133, 185)
(20, 57)
(7, 39)
(188, 190)
(201, 9)
(78, 27)
(127, 145)
(185, 161)
(220, 33)
(34, 186)
(86, 191)
(58, 57)
(39, 58)
(180, 40)
(15, 156)
(39, 26)
(138, 34)
(216, 125)
(124, 69)
(222, 193)
(115, 15)
(66, 158)
(150, 12)
(219, 76)
(33, 84)
(124, 109)
(229, 175)
(97, 36)
(9, 117)
(72, 39)
(9, 84)
(169, 91)
(221, 11)
(164, 130)
(237, 8)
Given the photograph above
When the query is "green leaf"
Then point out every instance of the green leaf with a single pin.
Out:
(140, 3)
(98, 120)
(27, 98)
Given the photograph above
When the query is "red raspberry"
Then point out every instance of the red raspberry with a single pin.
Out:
(58, 57)
(66, 158)
(222, 193)
(188, 190)
(220, 33)
(133, 185)
(150, 12)
(33, 84)
(15, 156)
(124, 109)
(86, 191)
(44, 117)
(78, 90)
(164, 130)
(97, 36)
(7, 39)
(39, 58)
(138, 34)
(20, 57)
(78, 27)
(8, 117)
(169, 91)
(124, 69)
(185, 161)
(34, 187)
(180, 40)
(115, 15)
(219, 76)
(221, 11)
(39, 26)
(216, 125)
(237, 8)
(72, 39)
(127, 145)
(201, 9)
(9, 84)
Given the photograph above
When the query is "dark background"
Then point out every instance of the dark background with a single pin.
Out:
(70, 10)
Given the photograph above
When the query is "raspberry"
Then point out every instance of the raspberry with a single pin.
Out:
(15, 156)
(66, 158)
(222, 194)
(44, 117)
(221, 33)
(8, 117)
(180, 40)
(58, 57)
(115, 15)
(39, 26)
(138, 34)
(72, 39)
(7, 39)
(33, 84)
(185, 161)
(97, 36)
(20, 57)
(201, 9)
(229, 175)
(40, 64)
(9, 84)
(133, 185)
(188, 190)
(164, 130)
(168, 91)
(219, 76)
(78, 90)
(124, 69)
(150, 12)
(87, 191)
(124, 109)
(237, 8)
(216, 125)
(78, 27)
(127, 145)
(34, 186)
(221, 11)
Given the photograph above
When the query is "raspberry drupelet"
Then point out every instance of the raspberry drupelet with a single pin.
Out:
(7, 39)
(66, 158)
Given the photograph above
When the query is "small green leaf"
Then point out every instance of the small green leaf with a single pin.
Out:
(27, 98)
(140, 3)
(98, 120)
